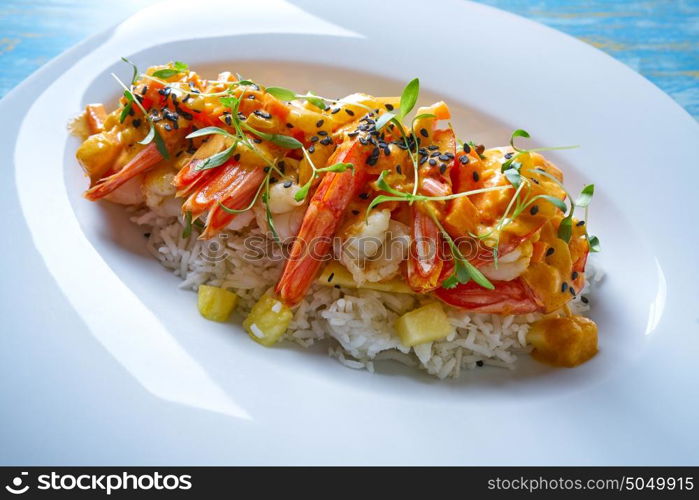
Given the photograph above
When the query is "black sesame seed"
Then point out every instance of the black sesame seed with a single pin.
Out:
(289, 125)
(442, 168)
(144, 90)
(349, 112)
(444, 157)
(272, 180)
(389, 107)
(424, 133)
(464, 160)
(433, 162)
(479, 363)
(335, 110)
(319, 123)
(476, 177)
(136, 123)
(509, 155)
(322, 132)
(387, 151)
(327, 141)
(288, 184)
(312, 149)
(236, 157)
(574, 275)
(257, 141)
(550, 251)
(467, 148)
(564, 286)
(572, 291)
(330, 278)
(227, 119)
(399, 170)
(364, 196)
(337, 286)
(432, 147)
(167, 127)
(534, 210)
(147, 235)
(585, 300)
(314, 138)
(355, 212)
(266, 169)
(262, 114)
(580, 223)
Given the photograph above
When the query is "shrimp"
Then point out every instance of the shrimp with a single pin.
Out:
(232, 186)
(313, 244)
(286, 213)
(507, 297)
(373, 251)
(425, 261)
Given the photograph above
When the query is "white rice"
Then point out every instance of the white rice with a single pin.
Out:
(357, 324)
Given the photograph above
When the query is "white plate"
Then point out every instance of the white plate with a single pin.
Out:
(104, 360)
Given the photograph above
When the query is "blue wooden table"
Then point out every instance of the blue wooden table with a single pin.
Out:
(657, 38)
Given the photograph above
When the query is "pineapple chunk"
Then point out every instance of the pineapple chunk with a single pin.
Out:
(567, 341)
(215, 303)
(422, 325)
(337, 274)
(268, 320)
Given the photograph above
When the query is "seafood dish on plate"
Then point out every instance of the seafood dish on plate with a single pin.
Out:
(359, 221)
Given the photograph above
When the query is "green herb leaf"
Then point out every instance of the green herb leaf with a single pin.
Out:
(134, 77)
(177, 68)
(316, 101)
(409, 97)
(565, 230)
(165, 73)
(187, 231)
(518, 133)
(125, 112)
(450, 282)
(208, 131)
(301, 194)
(478, 276)
(281, 93)
(229, 102)
(461, 272)
(424, 116)
(160, 144)
(557, 202)
(284, 141)
(129, 106)
(586, 196)
(268, 213)
(337, 167)
(513, 176)
(594, 243)
(384, 119)
(217, 159)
